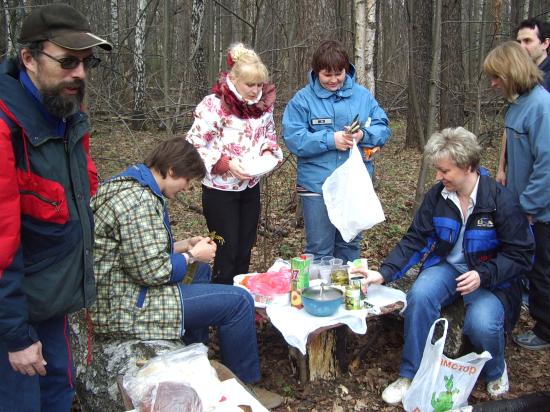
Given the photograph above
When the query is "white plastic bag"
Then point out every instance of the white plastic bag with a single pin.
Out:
(351, 202)
(442, 384)
(168, 375)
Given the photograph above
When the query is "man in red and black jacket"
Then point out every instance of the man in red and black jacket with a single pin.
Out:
(46, 227)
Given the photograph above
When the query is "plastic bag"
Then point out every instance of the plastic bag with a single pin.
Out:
(164, 374)
(170, 397)
(351, 202)
(441, 383)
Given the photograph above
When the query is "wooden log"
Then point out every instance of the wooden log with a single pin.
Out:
(322, 356)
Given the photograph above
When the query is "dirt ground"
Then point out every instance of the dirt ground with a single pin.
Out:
(360, 388)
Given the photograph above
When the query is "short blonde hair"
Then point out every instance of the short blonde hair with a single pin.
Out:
(511, 64)
(247, 65)
(457, 144)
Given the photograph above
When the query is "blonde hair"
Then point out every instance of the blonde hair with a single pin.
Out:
(456, 144)
(247, 65)
(511, 64)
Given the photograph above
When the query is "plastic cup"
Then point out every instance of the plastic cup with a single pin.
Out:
(325, 274)
(336, 261)
(314, 269)
(325, 260)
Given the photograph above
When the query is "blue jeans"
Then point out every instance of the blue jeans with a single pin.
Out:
(53, 392)
(322, 237)
(483, 322)
(231, 309)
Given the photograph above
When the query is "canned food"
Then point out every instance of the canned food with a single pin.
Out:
(352, 298)
(359, 282)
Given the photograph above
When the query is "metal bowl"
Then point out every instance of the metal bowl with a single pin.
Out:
(322, 300)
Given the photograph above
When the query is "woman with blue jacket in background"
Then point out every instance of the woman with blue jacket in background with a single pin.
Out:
(316, 129)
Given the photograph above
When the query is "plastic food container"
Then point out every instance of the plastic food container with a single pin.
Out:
(322, 300)
(262, 300)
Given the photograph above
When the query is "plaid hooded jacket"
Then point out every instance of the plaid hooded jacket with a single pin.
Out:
(138, 274)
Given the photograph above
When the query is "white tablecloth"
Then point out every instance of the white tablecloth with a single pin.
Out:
(296, 324)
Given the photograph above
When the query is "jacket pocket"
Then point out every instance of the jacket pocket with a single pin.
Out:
(42, 199)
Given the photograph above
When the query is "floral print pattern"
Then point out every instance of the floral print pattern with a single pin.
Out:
(216, 133)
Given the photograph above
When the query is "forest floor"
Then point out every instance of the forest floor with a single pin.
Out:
(279, 235)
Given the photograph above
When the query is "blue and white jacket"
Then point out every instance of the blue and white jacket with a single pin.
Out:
(498, 242)
(315, 113)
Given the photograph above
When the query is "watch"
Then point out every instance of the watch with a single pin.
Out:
(190, 256)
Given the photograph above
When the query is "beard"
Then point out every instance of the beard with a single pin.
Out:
(63, 106)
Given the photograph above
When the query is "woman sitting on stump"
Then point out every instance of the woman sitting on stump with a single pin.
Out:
(475, 243)
(145, 286)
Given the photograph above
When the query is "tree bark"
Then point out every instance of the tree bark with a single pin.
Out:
(139, 67)
(197, 50)
(420, 35)
(452, 69)
(432, 96)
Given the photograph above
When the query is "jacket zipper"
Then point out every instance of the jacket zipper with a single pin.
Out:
(46, 200)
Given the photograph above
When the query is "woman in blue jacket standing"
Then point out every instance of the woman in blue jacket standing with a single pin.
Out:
(316, 129)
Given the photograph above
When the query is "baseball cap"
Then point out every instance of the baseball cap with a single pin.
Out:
(63, 25)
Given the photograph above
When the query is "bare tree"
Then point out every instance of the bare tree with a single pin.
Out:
(432, 104)
(365, 33)
(8, 28)
(452, 69)
(420, 34)
(197, 51)
(139, 65)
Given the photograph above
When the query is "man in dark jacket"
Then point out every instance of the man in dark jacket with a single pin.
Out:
(534, 37)
(475, 242)
(46, 230)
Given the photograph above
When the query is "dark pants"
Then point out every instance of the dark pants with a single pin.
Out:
(539, 282)
(51, 393)
(234, 216)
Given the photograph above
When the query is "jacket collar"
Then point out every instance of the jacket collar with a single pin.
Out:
(25, 108)
(142, 174)
(344, 91)
(486, 193)
(545, 65)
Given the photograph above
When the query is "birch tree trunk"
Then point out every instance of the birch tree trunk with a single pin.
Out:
(370, 47)
(197, 50)
(365, 33)
(114, 23)
(8, 23)
(360, 40)
(139, 66)
(166, 66)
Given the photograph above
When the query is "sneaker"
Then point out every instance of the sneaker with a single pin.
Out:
(394, 392)
(529, 340)
(270, 400)
(499, 386)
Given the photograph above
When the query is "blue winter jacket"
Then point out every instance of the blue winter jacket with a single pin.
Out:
(527, 123)
(315, 113)
(498, 242)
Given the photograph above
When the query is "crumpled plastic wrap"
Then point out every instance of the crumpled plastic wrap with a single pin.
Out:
(181, 376)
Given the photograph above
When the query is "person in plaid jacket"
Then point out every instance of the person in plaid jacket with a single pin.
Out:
(142, 274)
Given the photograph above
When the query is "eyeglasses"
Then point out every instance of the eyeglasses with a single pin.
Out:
(72, 62)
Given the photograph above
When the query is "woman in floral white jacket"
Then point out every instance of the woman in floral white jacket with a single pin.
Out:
(234, 133)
